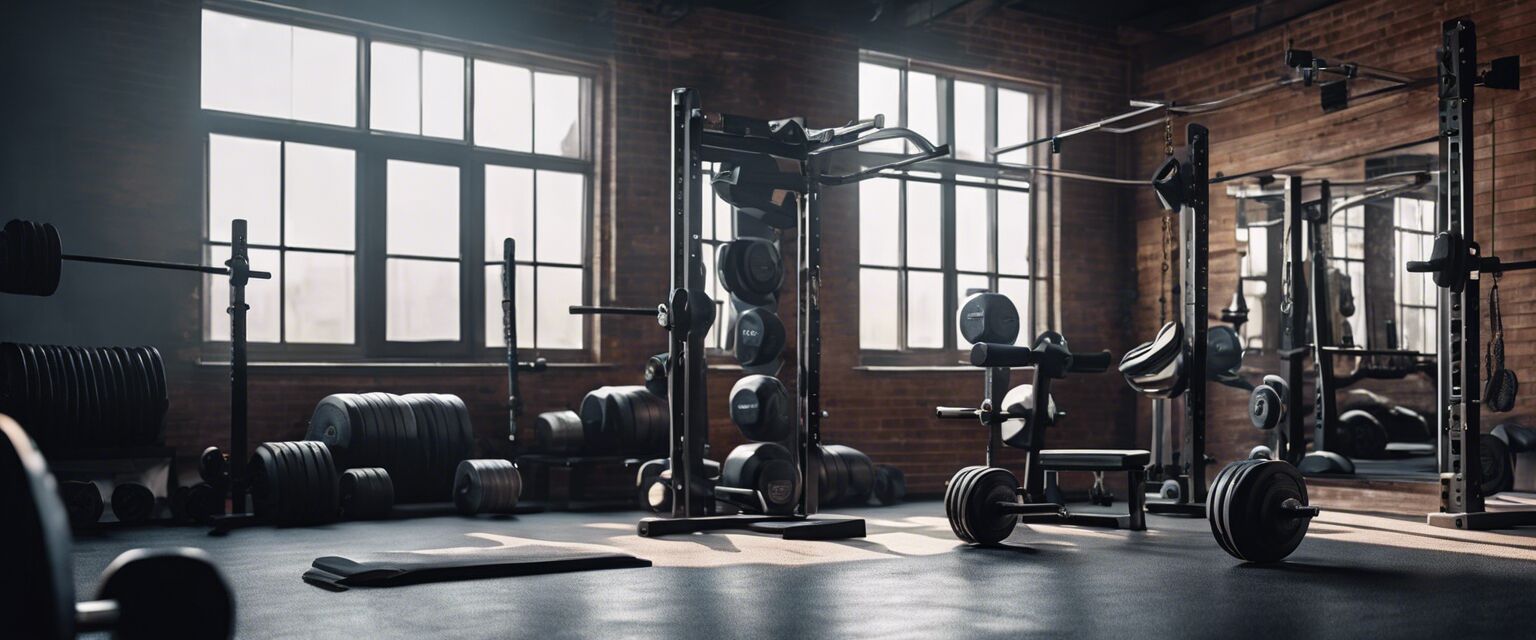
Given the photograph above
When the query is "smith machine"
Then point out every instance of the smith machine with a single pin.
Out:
(773, 172)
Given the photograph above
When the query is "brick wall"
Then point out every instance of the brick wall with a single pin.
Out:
(1289, 127)
(111, 151)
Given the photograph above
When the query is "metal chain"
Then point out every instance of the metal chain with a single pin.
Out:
(1164, 279)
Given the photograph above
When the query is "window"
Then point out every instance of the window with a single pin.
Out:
(1253, 241)
(927, 239)
(719, 228)
(371, 165)
(1346, 254)
(1414, 234)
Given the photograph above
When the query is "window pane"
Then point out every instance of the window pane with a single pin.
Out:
(324, 77)
(421, 300)
(923, 105)
(923, 228)
(561, 202)
(508, 210)
(877, 309)
(559, 288)
(925, 310)
(244, 182)
(971, 228)
(1013, 232)
(394, 93)
(1019, 291)
(880, 94)
(261, 295)
(493, 312)
(423, 209)
(503, 106)
(557, 114)
(970, 121)
(1256, 263)
(725, 220)
(1014, 123)
(879, 222)
(247, 65)
(442, 95)
(319, 298)
(319, 197)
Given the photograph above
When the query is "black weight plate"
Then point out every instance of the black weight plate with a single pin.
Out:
(89, 395)
(837, 477)
(1233, 499)
(134, 394)
(952, 502)
(622, 428)
(332, 424)
(363, 448)
(104, 382)
(987, 524)
(329, 508)
(157, 374)
(440, 476)
(389, 435)
(1221, 507)
(1259, 531)
(14, 276)
(146, 431)
(426, 440)
(42, 395)
(296, 484)
(132, 503)
(33, 381)
(375, 431)
(14, 367)
(58, 395)
(55, 259)
(37, 267)
(66, 428)
(82, 397)
(261, 475)
(82, 500)
(314, 489)
(30, 258)
(963, 499)
(447, 447)
(39, 591)
(112, 412)
(1213, 502)
(464, 431)
(123, 424)
(655, 431)
(416, 456)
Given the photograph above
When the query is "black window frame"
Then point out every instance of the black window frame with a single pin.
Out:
(951, 173)
(372, 151)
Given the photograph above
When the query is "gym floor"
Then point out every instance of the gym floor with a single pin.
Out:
(1355, 576)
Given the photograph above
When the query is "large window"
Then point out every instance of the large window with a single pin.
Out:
(928, 239)
(373, 166)
(1346, 254)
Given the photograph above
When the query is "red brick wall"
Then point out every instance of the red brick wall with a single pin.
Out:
(1289, 127)
(131, 183)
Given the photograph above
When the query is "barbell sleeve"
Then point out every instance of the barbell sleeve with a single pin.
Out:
(955, 413)
(989, 354)
(1091, 362)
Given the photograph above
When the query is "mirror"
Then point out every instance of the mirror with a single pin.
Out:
(1381, 214)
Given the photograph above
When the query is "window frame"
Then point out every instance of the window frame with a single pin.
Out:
(373, 149)
(950, 173)
(1429, 306)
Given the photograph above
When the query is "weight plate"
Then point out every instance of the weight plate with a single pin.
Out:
(90, 395)
(1259, 529)
(14, 389)
(39, 589)
(168, 593)
(33, 258)
(428, 427)
(385, 432)
(295, 480)
(486, 486)
(137, 397)
(1496, 468)
(962, 501)
(132, 503)
(264, 477)
(952, 503)
(375, 432)
(203, 502)
(366, 493)
(1232, 501)
(157, 372)
(331, 423)
(82, 501)
(54, 264)
(416, 457)
(365, 450)
(1214, 500)
(448, 437)
(987, 523)
(329, 508)
(1264, 407)
(32, 382)
(464, 430)
(444, 467)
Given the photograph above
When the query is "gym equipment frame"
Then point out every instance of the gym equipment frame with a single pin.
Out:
(688, 314)
(1457, 266)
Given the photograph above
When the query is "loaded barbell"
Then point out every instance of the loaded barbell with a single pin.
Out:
(1258, 509)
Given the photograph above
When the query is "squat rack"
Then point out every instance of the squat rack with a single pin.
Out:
(238, 270)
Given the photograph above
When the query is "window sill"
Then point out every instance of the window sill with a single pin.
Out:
(394, 366)
(896, 368)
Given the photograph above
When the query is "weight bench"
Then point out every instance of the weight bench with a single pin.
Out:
(1132, 461)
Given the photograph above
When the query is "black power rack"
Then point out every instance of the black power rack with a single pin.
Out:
(698, 137)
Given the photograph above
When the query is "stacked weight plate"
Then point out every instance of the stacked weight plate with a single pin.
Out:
(30, 255)
(628, 420)
(84, 397)
(419, 439)
(294, 483)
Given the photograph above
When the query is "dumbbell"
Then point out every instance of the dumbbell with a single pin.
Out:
(197, 503)
(160, 593)
(82, 499)
(213, 467)
(1266, 405)
(486, 486)
(760, 406)
(132, 503)
(653, 483)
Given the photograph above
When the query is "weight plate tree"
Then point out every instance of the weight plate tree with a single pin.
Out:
(165, 593)
(771, 172)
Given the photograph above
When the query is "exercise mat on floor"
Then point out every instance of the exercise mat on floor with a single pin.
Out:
(399, 568)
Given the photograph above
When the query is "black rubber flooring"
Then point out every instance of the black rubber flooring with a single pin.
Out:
(1355, 577)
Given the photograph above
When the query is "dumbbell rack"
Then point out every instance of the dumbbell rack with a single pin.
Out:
(238, 270)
